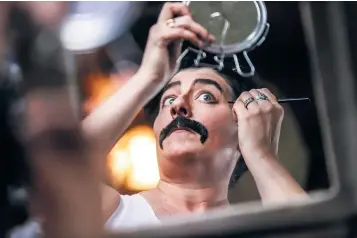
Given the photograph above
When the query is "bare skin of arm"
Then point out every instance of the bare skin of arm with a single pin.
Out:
(107, 123)
(273, 181)
(259, 126)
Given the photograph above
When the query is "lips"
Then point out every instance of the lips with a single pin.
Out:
(181, 129)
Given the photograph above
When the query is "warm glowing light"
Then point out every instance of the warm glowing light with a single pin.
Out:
(119, 166)
(132, 162)
(99, 89)
(145, 174)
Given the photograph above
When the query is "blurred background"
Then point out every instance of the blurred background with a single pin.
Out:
(282, 61)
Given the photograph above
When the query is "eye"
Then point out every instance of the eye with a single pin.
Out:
(206, 97)
(168, 101)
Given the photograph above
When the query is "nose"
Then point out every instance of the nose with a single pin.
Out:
(180, 107)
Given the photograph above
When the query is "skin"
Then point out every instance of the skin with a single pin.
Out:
(183, 149)
(193, 176)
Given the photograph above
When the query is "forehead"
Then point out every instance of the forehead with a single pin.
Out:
(187, 76)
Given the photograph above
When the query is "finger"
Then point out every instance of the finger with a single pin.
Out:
(269, 94)
(255, 93)
(169, 10)
(60, 164)
(188, 23)
(178, 33)
(272, 103)
(244, 96)
(239, 110)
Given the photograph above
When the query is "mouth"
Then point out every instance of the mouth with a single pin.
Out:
(181, 129)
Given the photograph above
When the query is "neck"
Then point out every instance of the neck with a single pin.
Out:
(193, 197)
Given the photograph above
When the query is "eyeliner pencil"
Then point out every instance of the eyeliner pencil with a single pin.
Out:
(284, 100)
(287, 100)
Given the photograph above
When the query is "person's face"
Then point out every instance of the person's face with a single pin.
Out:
(201, 95)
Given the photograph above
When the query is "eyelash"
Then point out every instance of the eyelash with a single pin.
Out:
(165, 98)
(214, 100)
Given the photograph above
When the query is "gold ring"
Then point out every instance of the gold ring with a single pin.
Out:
(171, 23)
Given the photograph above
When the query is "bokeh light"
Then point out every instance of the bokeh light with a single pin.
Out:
(132, 163)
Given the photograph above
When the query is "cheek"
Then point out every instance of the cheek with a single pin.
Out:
(162, 120)
(220, 125)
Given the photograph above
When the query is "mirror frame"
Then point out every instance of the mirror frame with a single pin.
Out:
(255, 39)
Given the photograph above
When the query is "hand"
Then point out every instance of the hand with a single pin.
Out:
(164, 40)
(259, 123)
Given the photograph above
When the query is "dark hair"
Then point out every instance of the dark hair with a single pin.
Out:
(238, 85)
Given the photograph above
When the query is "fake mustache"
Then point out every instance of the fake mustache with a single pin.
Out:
(184, 123)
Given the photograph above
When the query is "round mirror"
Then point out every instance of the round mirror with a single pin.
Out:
(237, 25)
(90, 25)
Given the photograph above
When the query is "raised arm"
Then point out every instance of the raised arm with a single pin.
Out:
(259, 124)
(273, 181)
(107, 123)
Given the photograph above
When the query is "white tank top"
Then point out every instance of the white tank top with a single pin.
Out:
(132, 211)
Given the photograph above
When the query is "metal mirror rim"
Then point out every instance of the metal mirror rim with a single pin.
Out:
(251, 40)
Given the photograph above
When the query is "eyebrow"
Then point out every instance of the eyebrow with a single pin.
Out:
(197, 81)
(209, 82)
(170, 85)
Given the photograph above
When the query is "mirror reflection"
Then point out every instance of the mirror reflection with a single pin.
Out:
(184, 140)
(243, 18)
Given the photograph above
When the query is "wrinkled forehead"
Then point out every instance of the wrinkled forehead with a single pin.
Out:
(188, 76)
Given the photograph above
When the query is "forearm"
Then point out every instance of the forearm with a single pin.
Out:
(106, 124)
(274, 182)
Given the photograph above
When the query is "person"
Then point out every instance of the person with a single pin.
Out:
(201, 136)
